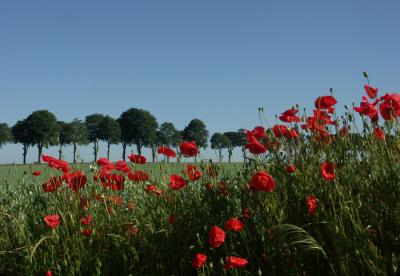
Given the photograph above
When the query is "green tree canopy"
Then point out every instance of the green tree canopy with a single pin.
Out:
(5, 134)
(93, 124)
(168, 135)
(196, 131)
(219, 142)
(110, 132)
(78, 135)
(138, 127)
(20, 132)
(64, 136)
(43, 130)
(236, 139)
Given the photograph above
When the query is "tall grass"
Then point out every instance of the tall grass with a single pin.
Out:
(355, 231)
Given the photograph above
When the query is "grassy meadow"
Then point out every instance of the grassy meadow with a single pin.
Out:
(323, 199)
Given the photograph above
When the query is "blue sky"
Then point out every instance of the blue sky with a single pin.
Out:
(213, 60)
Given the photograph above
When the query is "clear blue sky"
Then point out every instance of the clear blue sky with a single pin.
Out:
(215, 60)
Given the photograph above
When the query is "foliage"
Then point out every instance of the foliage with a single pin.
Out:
(110, 132)
(5, 134)
(196, 131)
(94, 130)
(43, 130)
(218, 142)
(21, 135)
(139, 127)
(236, 139)
(315, 197)
(168, 135)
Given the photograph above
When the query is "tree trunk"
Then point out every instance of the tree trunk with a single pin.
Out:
(108, 150)
(153, 153)
(74, 152)
(139, 148)
(25, 149)
(95, 149)
(123, 150)
(220, 155)
(60, 152)
(244, 154)
(229, 155)
(40, 150)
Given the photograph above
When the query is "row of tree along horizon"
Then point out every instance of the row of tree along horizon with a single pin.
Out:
(134, 127)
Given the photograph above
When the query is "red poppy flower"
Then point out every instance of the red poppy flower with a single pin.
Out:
(189, 149)
(259, 132)
(235, 262)
(262, 182)
(36, 173)
(133, 230)
(216, 236)
(116, 200)
(344, 131)
(171, 219)
(325, 102)
(52, 221)
(104, 162)
(253, 145)
(312, 204)
(49, 273)
(152, 189)
(76, 180)
(371, 91)
(56, 163)
(117, 182)
(166, 151)
(86, 220)
(199, 260)
(328, 171)
(52, 184)
(176, 182)
(390, 106)
(234, 224)
(87, 232)
(367, 109)
(193, 173)
(291, 169)
(120, 165)
(138, 176)
(49, 187)
(212, 170)
(282, 130)
(289, 116)
(379, 133)
(47, 158)
(84, 202)
(137, 159)
(246, 213)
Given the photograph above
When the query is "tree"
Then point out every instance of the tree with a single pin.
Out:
(64, 137)
(43, 130)
(111, 132)
(168, 135)
(219, 142)
(242, 132)
(139, 127)
(236, 139)
(21, 135)
(196, 131)
(93, 125)
(79, 135)
(5, 134)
